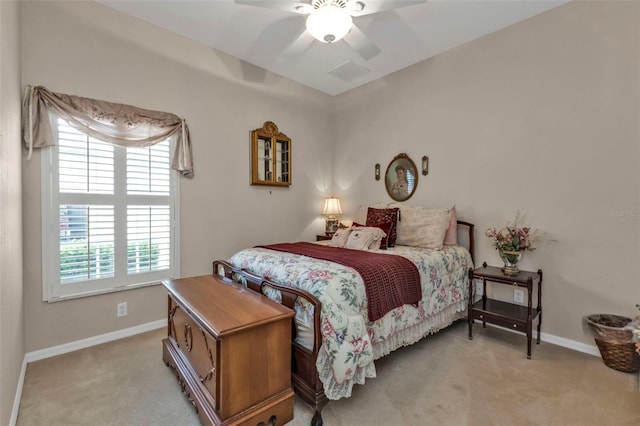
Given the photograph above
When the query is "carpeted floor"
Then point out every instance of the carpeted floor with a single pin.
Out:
(444, 379)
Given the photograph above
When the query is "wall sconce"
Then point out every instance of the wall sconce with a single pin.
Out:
(331, 210)
(377, 173)
(425, 165)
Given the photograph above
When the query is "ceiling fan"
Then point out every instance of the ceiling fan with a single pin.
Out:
(331, 20)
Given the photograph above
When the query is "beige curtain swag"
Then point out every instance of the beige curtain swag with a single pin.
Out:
(119, 124)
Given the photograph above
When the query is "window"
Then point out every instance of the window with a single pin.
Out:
(109, 215)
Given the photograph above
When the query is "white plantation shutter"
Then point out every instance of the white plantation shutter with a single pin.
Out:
(148, 170)
(87, 242)
(86, 165)
(149, 238)
(110, 213)
(149, 226)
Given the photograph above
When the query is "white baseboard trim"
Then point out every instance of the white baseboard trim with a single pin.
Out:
(143, 328)
(93, 341)
(570, 344)
(16, 401)
(558, 341)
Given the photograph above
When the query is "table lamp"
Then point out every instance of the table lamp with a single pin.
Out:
(331, 211)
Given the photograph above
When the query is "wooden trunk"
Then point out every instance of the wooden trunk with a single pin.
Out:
(230, 349)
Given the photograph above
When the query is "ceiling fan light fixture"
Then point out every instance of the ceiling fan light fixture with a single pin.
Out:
(329, 23)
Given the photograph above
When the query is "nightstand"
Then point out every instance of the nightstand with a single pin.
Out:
(322, 237)
(510, 315)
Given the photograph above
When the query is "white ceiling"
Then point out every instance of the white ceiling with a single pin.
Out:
(264, 37)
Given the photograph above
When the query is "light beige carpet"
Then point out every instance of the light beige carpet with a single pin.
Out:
(444, 379)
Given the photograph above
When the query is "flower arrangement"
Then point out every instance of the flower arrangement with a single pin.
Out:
(514, 236)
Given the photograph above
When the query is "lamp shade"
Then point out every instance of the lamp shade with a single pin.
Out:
(332, 207)
(329, 23)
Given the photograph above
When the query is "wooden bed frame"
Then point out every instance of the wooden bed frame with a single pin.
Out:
(304, 375)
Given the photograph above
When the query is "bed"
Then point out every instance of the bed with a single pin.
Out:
(335, 337)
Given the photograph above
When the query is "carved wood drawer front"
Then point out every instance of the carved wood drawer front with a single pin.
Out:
(198, 346)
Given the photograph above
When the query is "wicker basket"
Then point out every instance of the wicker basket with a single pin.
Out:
(614, 342)
(619, 356)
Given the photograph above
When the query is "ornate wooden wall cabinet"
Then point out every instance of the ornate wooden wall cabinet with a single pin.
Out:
(270, 156)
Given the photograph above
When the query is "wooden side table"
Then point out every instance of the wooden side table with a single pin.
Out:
(505, 314)
(322, 237)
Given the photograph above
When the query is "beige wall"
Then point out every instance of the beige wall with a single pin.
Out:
(541, 117)
(86, 49)
(11, 301)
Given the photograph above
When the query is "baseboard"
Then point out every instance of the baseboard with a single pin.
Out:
(559, 341)
(570, 344)
(93, 341)
(132, 331)
(16, 401)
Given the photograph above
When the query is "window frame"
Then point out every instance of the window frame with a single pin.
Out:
(52, 289)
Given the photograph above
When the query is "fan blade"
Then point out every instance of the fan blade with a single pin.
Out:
(275, 38)
(359, 42)
(286, 5)
(364, 7)
(299, 45)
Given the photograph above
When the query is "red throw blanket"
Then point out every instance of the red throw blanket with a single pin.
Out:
(390, 281)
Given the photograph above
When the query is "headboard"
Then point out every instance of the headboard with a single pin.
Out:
(465, 236)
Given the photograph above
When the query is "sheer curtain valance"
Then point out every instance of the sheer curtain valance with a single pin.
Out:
(119, 124)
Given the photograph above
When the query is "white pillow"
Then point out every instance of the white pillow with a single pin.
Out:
(364, 238)
(421, 227)
(340, 237)
(377, 232)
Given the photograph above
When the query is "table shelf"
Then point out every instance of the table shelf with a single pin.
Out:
(505, 314)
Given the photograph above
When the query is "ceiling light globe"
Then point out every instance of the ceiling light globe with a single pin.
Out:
(329, 23)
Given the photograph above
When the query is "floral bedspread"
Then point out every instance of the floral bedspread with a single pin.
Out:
(350, 343)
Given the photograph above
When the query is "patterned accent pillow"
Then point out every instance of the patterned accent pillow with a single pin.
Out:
(421, 227)
(376, 217)
(340, 237)
(385, 228)
(378, 234)
(451, 235)
(361, 239)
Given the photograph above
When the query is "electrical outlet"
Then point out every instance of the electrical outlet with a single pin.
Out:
(518, 296)
(122, 309)
(479, 289)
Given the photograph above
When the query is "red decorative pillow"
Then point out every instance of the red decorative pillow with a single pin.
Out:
(377, 217)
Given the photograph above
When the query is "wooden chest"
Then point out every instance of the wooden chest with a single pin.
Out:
(230, 349)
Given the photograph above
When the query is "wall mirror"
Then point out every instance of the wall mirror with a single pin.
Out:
(270, 156)
(401, 178)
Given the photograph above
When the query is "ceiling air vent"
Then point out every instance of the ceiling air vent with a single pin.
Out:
(349, 71)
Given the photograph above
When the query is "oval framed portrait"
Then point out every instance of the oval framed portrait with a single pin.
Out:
(401, 178)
